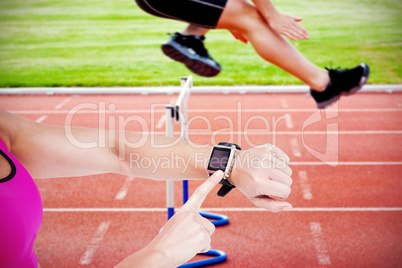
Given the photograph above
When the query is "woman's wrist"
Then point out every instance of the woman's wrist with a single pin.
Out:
(158, 258)
(236, 169)
(147, 257)
(200, 162)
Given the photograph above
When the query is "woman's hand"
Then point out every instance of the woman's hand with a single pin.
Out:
(239, 36)
(288, 26)
(183, 236)
(262, 174)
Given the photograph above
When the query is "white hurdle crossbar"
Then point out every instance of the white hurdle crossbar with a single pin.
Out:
(177, 113)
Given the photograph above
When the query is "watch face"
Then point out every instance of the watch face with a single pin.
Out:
(219, 159)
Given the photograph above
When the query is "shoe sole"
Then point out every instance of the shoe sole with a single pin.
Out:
(193, 64)
(363, 81)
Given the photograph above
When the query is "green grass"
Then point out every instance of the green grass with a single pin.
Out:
(114, 43)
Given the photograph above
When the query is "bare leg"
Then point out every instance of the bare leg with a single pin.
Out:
(194, 30)
(241, 16)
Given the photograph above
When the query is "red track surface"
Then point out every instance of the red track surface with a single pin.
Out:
(346, 215)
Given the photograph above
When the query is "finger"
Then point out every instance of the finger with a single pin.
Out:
(273, 163)
(281, 177)
(275, 152)
(302, 30)
(203, 190)
(274, 188)
(243, 38)
(279, 164)
(289, 35)
(205, 250)
(207, 245)
(271, 204)
(283, 167)
(296, 34)
(295, 30)
(299, 34)
(239, 36)
(298, 19)
(209, 226)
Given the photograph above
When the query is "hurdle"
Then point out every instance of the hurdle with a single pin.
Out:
(177, 113)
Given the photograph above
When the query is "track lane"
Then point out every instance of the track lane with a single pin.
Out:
(197, 101)
(253, 239)
(284, 239)
(343, 186)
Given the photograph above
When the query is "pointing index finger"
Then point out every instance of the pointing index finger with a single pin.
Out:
(199, 195)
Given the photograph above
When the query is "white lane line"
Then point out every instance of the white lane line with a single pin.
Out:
(397, 132)
(250, 209)
(345, 163)
(62, 103)
(169, 90)
(288, 121)
(317, 163)
(305, 186)
(41, 119)
(161, 122)
(347, 132)
(381, 132)
(88, 255)
(122, 193)
(319, 244)
(295, 147)
(259, 111)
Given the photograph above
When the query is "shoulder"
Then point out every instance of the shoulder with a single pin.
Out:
(6, 123)
(13, 128)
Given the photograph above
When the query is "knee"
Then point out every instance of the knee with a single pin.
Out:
(242, 16)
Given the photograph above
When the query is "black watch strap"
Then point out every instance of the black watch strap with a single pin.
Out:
(226, 188)
(228, 144)
(226, 185)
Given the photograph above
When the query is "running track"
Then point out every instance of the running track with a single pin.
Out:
(346, 214)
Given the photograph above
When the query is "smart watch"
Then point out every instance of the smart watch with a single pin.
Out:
(223, 158)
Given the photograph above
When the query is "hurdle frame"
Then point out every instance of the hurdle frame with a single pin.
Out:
(177, 113)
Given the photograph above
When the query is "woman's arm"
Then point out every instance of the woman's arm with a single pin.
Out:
(53, 151)
(46, 152)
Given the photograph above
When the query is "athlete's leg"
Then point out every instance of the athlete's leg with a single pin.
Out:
(194, 30)
(239, 15)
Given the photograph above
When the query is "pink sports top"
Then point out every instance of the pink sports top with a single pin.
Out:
(20, 215)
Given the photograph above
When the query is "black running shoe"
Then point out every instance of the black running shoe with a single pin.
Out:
(342, 82)
(190, 50)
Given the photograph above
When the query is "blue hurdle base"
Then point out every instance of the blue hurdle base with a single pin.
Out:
(217, 220)
(219, 257)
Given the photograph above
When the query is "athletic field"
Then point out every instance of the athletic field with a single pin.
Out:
(114, 43)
